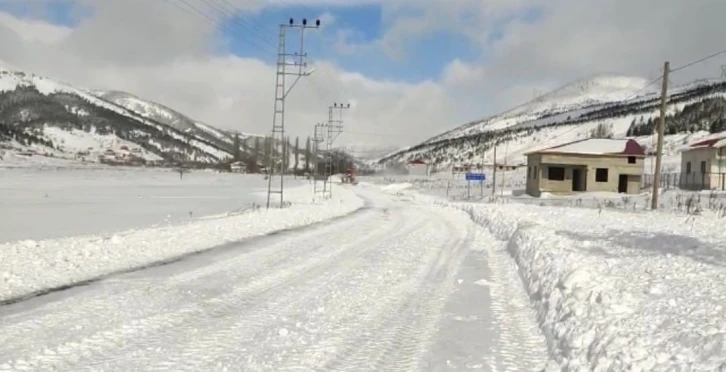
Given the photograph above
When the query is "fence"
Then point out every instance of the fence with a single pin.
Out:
(692, 181)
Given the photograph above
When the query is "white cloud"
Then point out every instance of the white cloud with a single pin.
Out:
(160, 52)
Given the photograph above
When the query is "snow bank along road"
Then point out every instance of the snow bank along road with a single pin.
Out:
(399, 286)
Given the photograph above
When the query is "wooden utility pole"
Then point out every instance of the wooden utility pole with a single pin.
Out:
(661, 132)
(494, 173)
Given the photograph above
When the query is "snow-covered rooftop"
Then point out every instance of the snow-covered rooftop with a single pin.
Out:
(715, 142)
(598, 146)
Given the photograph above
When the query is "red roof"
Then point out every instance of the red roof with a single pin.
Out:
(707, 143)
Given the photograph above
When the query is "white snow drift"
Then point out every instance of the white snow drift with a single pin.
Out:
(619, 291)
(31, 266)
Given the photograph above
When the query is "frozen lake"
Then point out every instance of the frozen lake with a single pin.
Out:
(50, 203)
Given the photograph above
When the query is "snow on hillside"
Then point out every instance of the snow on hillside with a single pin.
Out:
(220, 135)
(148, 109)
(592, 92)
(168, 116)
(94, 144)
(512, 147)
(11, 80)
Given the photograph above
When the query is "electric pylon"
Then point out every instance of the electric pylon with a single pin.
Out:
(299, 64)
(335, 127)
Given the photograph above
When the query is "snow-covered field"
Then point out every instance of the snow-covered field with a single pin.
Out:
(29, 266)
(58, 202)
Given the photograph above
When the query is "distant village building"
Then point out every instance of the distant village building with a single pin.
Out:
(418, 167)
(590, 165)
(238, 167)
(703, 165)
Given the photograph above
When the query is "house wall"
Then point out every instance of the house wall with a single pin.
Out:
(693, 178)
(534, 165)
(588, 164)
(418, 169)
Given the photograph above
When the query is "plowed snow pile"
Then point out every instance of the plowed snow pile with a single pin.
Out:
(619, 291)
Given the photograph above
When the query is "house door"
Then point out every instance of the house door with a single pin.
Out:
(623, 183)
(577, 180)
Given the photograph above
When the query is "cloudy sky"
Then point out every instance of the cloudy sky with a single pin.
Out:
(410, 68)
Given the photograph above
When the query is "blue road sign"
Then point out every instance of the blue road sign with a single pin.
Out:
(479, 177)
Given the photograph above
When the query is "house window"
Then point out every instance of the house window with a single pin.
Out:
(556, 173)
(688, 167)
(601, 175)
(703, 167)
(631, 159)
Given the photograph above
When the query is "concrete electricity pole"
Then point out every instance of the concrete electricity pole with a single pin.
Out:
(494, 172)
(661, 132)
(281, 92)
(335, 127)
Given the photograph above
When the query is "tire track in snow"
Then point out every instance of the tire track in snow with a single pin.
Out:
(396, 340)
(365, 294)
(170, 318)
(263, 327)
(521, 345)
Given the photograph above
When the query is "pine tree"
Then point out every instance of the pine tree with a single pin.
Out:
(297, 154)
(256, 154)
(307, 154)
(235, 148)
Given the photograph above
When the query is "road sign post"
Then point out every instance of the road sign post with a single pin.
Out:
(476, 177)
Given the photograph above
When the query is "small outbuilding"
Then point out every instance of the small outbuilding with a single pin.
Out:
(590, 165)
(703, 165)
(418, 167)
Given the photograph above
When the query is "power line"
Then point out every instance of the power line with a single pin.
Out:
(698, 61)
(194, 11)
(635, 94)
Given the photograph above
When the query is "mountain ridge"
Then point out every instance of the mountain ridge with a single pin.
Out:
(547, 124)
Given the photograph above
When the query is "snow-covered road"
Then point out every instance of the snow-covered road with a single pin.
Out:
(398, 286)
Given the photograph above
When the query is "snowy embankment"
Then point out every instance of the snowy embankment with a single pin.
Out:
(28, 267)
(620, 291)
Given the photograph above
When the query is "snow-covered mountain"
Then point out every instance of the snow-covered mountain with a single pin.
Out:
(165, 115)
(52, 115)
(569, 113)
(39, 115)
(367, 152)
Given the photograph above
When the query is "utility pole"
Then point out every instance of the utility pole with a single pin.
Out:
(723, 71)
(281, 92)
(661, 132)
(504, 171)
(318, 138)
(494, 175)
(335, 127)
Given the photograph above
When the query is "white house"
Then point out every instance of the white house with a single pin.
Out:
(238, 167)
(703, 165)
(418, 167)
